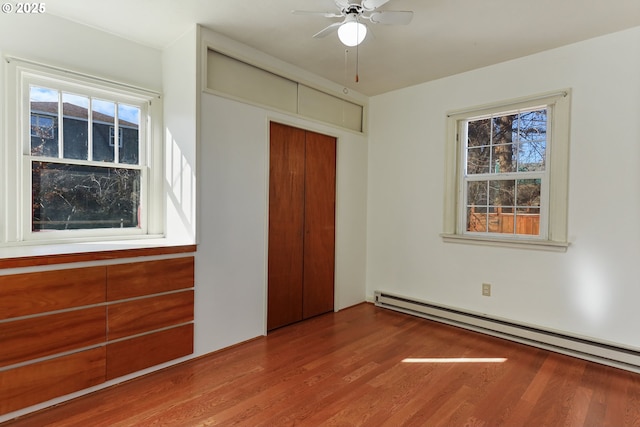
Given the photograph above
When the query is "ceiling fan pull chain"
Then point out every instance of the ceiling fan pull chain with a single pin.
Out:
(346, 65)
(357, 62)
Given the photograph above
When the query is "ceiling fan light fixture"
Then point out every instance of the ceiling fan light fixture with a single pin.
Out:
(352, 32)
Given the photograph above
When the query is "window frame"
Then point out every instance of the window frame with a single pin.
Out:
(554, 194)
(15, 196)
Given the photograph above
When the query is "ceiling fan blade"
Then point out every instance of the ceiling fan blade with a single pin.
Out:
(328, 30)
(323, 14)
(342, 4)
(391, 17)
(373, 4)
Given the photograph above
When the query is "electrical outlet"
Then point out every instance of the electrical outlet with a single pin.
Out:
(486, 289)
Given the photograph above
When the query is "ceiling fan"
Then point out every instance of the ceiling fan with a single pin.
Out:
(352, 30)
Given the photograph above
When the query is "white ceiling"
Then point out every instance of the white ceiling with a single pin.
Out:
(445, 37)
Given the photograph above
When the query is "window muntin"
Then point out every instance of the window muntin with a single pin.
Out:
(504, 172)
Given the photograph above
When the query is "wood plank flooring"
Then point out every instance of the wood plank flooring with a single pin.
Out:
(349, 369)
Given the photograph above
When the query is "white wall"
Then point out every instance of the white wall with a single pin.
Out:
(180, 92)
(593, 289)
(232, 250)
(58, 42)
(231, 267)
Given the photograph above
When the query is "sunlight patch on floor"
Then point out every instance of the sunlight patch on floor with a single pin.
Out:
(455, 360)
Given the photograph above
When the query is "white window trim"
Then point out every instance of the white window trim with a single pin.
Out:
(556, 236)
(15, 205)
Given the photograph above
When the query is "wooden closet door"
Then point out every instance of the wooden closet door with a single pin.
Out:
(286, 222)
(319, 224)
(301, 225)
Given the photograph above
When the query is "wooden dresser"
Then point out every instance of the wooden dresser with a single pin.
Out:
(68, 329)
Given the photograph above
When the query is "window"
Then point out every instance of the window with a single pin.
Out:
(41, 126)
(112, 136)
(87, 156)
(507, 173)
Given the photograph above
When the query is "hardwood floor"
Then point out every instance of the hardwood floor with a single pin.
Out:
(349, 369)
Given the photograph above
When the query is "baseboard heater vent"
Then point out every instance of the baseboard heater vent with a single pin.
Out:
(610, 354)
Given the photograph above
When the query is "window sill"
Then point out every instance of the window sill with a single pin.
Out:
(542, 245)
(19, 256)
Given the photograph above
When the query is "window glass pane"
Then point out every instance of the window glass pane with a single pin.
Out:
(75, 115)
(528, 210)
(501, 198)
(478, 160)
(67, 197)
(503, 158)
(479, 133)
(532, 140)
(528, 221)
(528, 191)
(477, 219)
(501, 193)
(103, 116)
(502, 222)
(43, 104)
(532, 125)
(129, 125)
(531, 156)
(503, 129)
(477, 206)
(478, 142)
(477, 193)
(502, 141)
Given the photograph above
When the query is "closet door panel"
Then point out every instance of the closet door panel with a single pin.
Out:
(286, 220)
(319, 223)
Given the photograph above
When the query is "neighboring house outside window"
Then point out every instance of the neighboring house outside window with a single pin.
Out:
(89, 158)
(507, 173)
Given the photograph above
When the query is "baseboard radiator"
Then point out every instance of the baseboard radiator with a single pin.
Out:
(610, 354)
